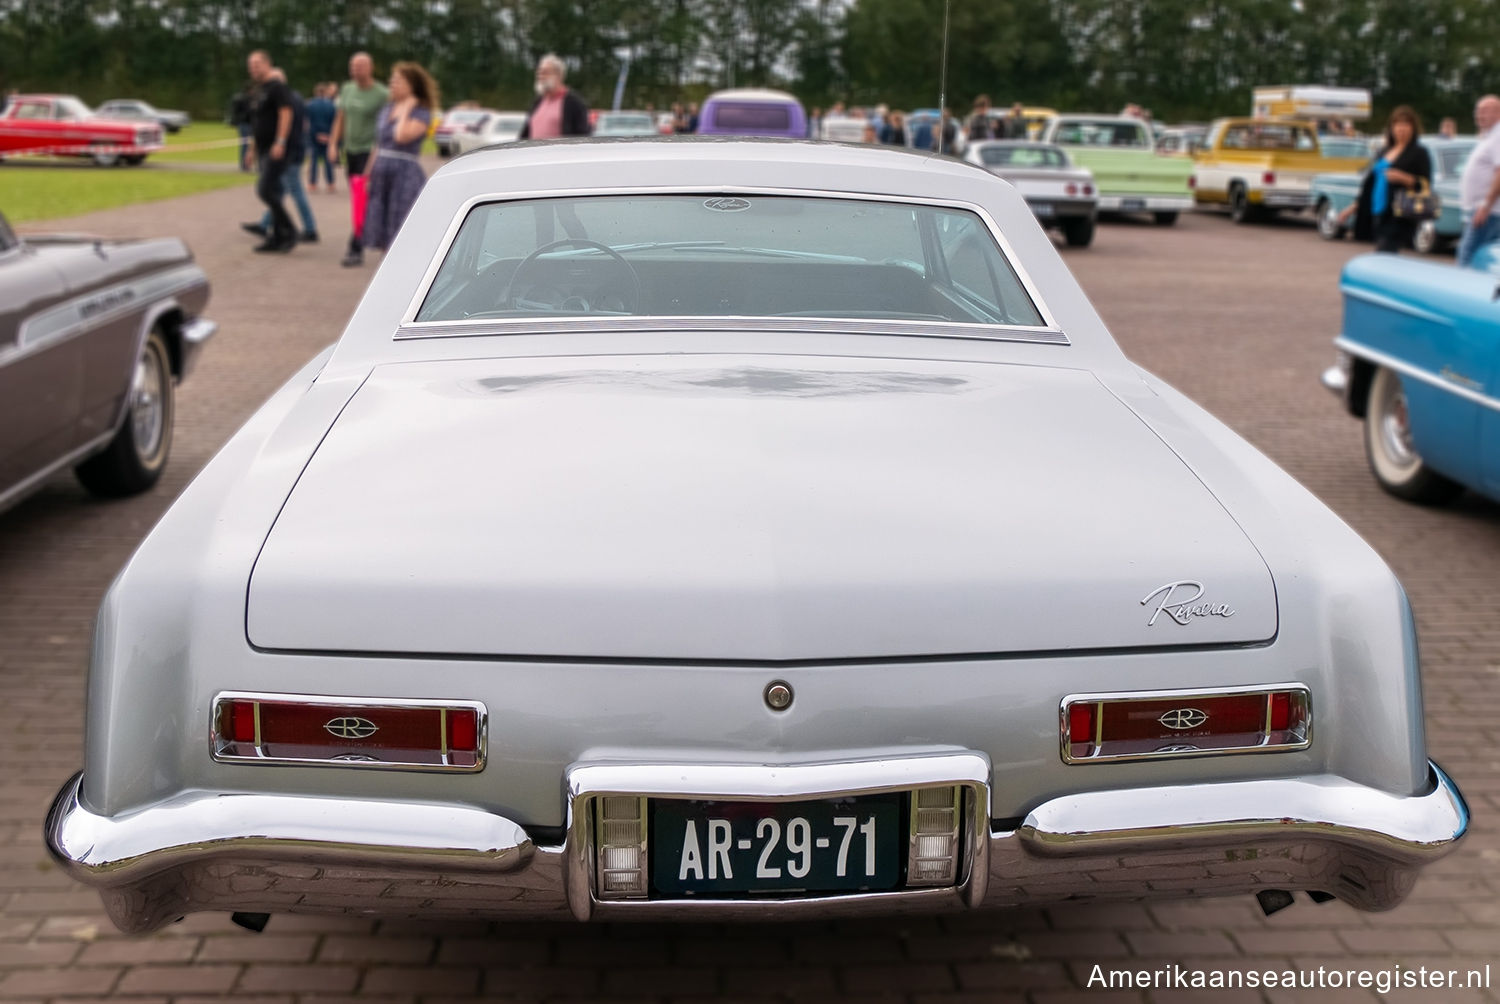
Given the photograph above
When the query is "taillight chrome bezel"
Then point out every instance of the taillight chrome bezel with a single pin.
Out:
(226, 749)
(1299, 694)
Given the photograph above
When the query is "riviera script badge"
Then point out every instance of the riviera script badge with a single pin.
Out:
(1180, 601)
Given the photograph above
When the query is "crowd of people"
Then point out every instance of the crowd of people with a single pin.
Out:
(374, 130)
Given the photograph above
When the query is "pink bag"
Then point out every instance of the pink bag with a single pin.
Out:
(359, 198)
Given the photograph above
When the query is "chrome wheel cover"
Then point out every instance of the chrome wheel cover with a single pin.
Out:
(1426, 239)
(1328, 220)
(147, 408)
(1394, 429)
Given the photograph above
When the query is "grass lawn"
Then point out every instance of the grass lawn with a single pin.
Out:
(201, 133)
(70, 186)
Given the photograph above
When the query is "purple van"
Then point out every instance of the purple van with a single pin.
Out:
(753, 112)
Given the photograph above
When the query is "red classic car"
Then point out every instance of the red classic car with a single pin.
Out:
(62, 125)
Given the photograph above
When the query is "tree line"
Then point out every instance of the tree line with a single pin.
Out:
(1183, 59)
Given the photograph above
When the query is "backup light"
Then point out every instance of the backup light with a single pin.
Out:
(348, 732)
(620, 836)
(1104, 727)
(933, 855)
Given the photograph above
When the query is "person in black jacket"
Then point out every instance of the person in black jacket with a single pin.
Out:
(1401, 166)
(557, 110)
(273, 135)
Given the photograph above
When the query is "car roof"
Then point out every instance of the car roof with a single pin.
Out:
(643, 150)
(753, 94)
(1035, 143)
(1084, 117)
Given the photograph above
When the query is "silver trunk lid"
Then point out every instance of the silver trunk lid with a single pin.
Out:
(748, 508)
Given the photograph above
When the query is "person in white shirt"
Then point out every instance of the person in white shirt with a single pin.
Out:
(1480, 186)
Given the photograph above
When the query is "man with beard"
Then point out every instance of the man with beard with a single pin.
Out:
(557, 110)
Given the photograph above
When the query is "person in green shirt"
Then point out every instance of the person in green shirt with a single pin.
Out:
(359, 104)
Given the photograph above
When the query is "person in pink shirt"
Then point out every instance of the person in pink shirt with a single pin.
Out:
(557, 110)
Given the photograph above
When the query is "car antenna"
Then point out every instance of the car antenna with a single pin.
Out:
(943, 81)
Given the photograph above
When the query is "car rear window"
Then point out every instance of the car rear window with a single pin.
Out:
(752, 116)
(1268, 136)
(1103, 133)
(1451, 159)
(726, 255)
(1022, 156)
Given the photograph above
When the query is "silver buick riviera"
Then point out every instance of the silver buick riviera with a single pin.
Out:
(726, 528)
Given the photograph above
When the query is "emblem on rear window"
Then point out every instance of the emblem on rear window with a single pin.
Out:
(1183, 718)
(351, 728)
(726, 204)
(1180, 601)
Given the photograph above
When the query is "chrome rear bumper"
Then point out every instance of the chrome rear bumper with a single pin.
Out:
(274, 853)
(1145, 203)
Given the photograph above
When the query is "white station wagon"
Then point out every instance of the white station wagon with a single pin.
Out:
(731, 528)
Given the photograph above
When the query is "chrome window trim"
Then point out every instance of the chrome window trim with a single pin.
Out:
(721, 322)
(1185, 695)
(410, 327)
(223, 696)
(1416, 373)
(794, 782)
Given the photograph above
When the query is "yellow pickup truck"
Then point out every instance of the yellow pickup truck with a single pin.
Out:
(1258, 167)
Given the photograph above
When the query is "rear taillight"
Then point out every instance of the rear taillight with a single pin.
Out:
(1192, 181)
(420, 735)
(1088, 189)
(1269, 178)
(1106, 727)
(1071, 188)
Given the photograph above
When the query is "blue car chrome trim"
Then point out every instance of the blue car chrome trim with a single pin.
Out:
(1452, 382)
(210, 851)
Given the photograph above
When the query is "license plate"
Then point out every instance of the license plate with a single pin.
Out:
(746, 847)
(1132, 203)
(1042, 208)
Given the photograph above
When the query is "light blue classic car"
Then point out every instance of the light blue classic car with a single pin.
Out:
(1331, 193)
(1418, 361)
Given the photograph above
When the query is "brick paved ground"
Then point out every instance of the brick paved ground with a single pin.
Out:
(1240, 318)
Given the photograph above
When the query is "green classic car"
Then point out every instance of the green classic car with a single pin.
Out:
(1331, 193)
(1130, 175)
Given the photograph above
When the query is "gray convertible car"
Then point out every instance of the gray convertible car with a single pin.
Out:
(94, 335)
(729, 528)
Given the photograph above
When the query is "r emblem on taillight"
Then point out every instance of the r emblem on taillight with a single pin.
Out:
(1183, 718)
(351, 728)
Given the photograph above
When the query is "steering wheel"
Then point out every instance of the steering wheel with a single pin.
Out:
(508, 301)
